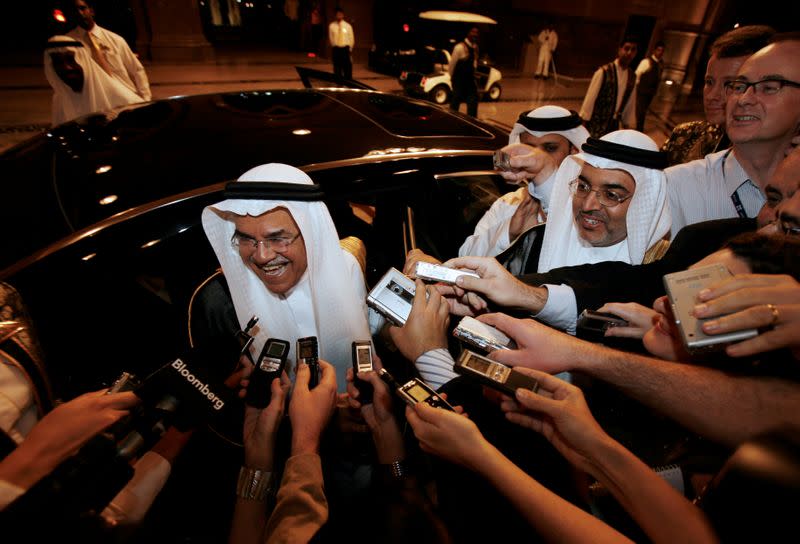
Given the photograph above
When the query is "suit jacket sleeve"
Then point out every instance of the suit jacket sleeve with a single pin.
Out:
(614, 281)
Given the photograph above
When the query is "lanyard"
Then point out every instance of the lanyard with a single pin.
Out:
(737, 202)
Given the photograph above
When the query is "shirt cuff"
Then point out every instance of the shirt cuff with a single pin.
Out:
(561, 309)
(9, 493)
(436, 367)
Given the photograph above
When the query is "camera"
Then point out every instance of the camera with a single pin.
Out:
(682, 288)
(493, 374)
(481, 335)
(308, 353)
(436, 272)
(269, 365)
(414, 391)
(599, 321)
(362, 362)
(501, 160)
(392, 296)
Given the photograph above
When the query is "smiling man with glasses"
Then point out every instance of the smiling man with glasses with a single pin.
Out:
(282, 262)
(762, 112)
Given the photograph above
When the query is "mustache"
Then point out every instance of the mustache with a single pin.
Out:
(593, 214)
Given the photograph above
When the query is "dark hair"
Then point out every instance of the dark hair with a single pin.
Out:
(338, 9)
(742, 41)
(629, 38)
(768, 254)
(658, 44)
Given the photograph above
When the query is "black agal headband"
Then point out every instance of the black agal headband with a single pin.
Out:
(550, 124)
(271, 190)
(625, 153)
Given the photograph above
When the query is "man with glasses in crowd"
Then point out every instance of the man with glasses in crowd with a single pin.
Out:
(762, 122)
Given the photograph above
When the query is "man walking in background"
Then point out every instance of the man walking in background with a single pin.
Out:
(648, 76)
(462, 66)
(110, 51)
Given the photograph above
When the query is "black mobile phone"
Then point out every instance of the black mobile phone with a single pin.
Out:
(414, 391)
(268, 366)
(599, 321)
(493, 374)
(362, 362)
(308, 353)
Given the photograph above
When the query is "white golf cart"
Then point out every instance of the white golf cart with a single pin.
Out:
(435, 85)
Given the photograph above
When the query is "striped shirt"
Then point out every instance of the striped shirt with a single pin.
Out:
(704, 189)
(436, 367)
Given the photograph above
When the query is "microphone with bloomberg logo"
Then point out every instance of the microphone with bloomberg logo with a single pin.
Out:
(74, 494)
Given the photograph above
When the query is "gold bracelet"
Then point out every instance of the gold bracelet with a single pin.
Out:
(253, 484)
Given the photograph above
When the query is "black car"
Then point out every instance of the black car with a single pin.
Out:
(106, 245)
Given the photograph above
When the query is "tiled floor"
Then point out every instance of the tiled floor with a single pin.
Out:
(25, 95)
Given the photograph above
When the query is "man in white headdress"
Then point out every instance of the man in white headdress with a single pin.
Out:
(609, 203)
(283, 264)
(80, 86)
(556, 133)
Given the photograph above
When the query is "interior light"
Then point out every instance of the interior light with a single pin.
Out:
(103, 169)
(58, 15)
(301, 132)
(151, 243)
(108, 200)
(89, 256)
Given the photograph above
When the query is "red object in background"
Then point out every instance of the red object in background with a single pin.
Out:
(406, 28)
(312, 55)
(58, 15)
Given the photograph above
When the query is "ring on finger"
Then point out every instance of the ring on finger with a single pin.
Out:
(775, 314)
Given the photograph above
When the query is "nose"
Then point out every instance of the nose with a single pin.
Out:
(263, 252)
(590, 201)
(748, 96)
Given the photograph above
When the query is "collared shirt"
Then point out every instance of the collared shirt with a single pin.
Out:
(702, 190)
(628, 114)
(123, 63)
(461, 52)
(340, 34)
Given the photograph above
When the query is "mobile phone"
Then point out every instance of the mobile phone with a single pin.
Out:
(268, 366)
(414, 391)
(501, 160)
(590, 320)
(682, 288)
(436, 272)
(493, 374)
(308, 353)
(481, 335)
(125, 382)
(362, 362)
(392, 296)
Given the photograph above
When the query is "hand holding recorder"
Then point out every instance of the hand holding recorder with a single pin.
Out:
(311, 409)
(560, 413)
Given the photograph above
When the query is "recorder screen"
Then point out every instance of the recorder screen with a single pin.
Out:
(275, 349)
(477, 364)
(363, 359)
(418, 393)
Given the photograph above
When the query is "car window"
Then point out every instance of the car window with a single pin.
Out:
(449, 215)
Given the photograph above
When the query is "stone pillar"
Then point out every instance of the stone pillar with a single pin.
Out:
(173, 31)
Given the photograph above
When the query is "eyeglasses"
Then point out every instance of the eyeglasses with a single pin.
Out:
(608, 198)
(765, 86)
(278, 243)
